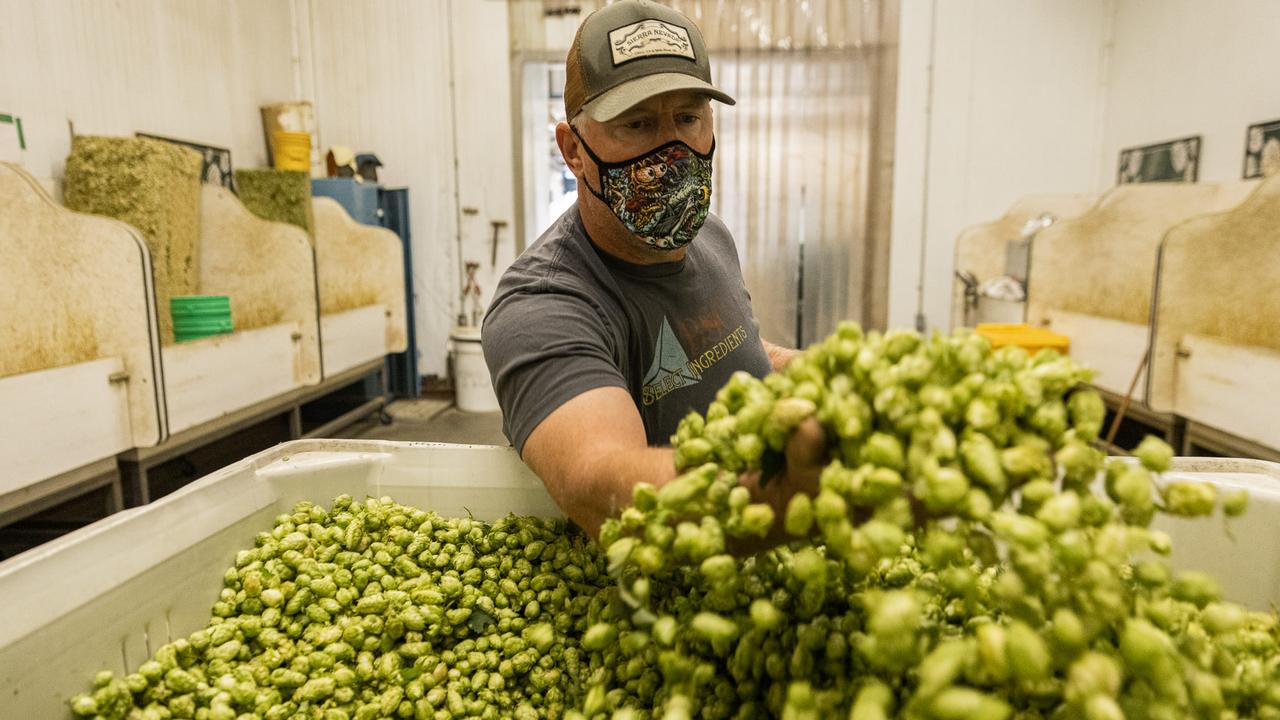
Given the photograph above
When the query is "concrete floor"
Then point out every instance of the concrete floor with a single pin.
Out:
(431, 420)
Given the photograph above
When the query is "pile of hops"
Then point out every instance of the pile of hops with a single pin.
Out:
(970, 555)
(375, 610)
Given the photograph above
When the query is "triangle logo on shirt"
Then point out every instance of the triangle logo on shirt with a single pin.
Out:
(670, 367)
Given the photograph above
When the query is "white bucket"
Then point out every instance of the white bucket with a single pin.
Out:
(995, 310)
(473, 392)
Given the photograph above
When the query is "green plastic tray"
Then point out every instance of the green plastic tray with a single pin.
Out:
(200, 305)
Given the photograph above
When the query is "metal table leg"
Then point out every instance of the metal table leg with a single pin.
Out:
(136, 488)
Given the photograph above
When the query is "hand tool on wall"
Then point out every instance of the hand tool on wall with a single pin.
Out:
(493, 255)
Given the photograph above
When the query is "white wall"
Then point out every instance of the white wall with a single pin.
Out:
(425, 85)
(486, 126)
(400, 78)
(198, 70)
(1186, 67)
(1013, 107)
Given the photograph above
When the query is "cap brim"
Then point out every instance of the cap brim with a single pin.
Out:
(622, 98)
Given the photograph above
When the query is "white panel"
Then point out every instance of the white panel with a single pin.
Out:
(205, 379)
(353, 337)
(197, 69)
(1112, 348)
(58, 420)
(482, 112)
(1231, 387)
(381, 84)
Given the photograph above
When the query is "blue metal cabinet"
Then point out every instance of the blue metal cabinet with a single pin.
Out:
(359, 198)
(402, 367)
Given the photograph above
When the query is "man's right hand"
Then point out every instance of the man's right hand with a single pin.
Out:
(806, 456)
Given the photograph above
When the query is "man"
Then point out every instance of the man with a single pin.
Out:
(630, 311)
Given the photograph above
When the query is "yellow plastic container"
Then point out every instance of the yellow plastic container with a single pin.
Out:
(1031, 339)
(291, 150)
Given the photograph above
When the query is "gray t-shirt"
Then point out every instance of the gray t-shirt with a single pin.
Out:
(567, 318)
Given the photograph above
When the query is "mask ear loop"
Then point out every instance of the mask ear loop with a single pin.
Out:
(599, 164)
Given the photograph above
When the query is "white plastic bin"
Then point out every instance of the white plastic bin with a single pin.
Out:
(110, 594)
(472, 388)
(106, 596)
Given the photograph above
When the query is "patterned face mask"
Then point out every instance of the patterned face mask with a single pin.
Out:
(661, 196)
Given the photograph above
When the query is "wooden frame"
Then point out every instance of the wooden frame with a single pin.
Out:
(1201, 439)
(268, 270)
(53, 491)
(980, 249)
(80, 369)
(136, 464)
(1092, 277)
(1215, 342)
(360, 279)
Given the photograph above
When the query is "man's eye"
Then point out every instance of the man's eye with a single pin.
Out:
(689, 118)
(637, 124)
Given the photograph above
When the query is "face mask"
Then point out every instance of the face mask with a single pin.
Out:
(661, 196)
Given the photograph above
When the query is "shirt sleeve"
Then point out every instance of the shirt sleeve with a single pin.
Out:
(544, 349)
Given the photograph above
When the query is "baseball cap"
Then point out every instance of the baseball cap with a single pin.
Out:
(629, 51)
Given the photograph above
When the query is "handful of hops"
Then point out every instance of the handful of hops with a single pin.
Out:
(970, 554)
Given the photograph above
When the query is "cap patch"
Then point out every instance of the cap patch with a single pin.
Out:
(647, 38)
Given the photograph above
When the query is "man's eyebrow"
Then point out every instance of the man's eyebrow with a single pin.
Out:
(632, 114)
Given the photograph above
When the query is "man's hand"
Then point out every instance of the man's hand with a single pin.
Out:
(806, 455)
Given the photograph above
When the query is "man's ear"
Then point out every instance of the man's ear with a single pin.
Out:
(570, 149)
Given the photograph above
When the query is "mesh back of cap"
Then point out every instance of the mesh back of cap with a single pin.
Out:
(575, 86)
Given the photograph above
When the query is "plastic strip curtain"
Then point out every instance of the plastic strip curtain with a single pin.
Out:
(803, 163)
